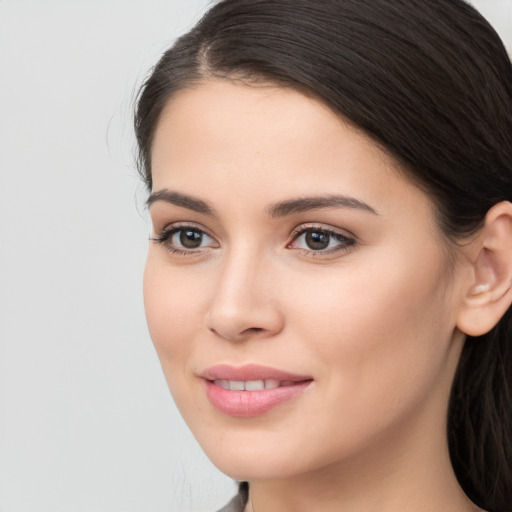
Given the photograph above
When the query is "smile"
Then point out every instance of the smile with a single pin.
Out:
(252, 385)
(251, 390)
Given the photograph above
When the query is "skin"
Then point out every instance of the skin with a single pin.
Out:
(373, 321)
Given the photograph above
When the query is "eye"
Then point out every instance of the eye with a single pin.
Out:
(320, 240)
(184, 239)
(188, 238)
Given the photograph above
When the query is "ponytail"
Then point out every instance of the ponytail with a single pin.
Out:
(480, 418)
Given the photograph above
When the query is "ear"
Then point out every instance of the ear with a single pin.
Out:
(489, 294)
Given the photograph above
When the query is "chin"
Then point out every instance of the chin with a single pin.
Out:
(244, 459)
(253, 466)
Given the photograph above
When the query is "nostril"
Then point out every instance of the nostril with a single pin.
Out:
(253, 330)
(246, 333)
(243, 321)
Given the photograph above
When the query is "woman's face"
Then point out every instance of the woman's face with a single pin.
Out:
(290, 254)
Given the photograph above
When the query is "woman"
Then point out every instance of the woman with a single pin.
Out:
(329, 281)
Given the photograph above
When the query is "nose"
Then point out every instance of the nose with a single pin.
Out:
(245, 303)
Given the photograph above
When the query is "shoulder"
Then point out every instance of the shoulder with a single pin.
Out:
(237, 504)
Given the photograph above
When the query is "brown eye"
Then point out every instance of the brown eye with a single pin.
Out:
(317, 240)
(320, 241)
(190, 238)
(185, 239)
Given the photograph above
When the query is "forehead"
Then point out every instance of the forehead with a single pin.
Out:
(262, 141)
(254, 116)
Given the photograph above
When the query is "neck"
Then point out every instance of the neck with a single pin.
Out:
(410, 473)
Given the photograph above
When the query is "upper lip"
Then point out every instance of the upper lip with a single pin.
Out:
(250, 372)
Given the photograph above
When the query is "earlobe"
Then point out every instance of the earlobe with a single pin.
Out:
(489, 294)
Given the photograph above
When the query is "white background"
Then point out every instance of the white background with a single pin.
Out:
(86, 421)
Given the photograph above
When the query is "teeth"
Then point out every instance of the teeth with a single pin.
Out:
(222, 383)
(251, 385)
(254, 385)
(236, 385)
(271, 384)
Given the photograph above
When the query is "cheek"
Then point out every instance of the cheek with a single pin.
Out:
(172, 310)
(373, 331)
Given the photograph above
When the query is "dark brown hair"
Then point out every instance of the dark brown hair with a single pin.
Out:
(429, 81)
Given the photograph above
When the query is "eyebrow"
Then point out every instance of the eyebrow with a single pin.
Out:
(280, 209)
(183, 200)
(304, 204)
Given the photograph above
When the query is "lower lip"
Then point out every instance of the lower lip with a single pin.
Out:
(247, 404)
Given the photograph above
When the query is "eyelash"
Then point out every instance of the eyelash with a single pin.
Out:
(165, 236)
(345, 243)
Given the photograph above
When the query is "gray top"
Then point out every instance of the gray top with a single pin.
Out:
(237, 504)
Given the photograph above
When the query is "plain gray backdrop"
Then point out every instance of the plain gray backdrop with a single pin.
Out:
(86, 421)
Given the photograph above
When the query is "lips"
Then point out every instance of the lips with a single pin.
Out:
(250, 385)
(251, 390)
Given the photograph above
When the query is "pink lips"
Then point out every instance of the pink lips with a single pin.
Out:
(253, 389)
